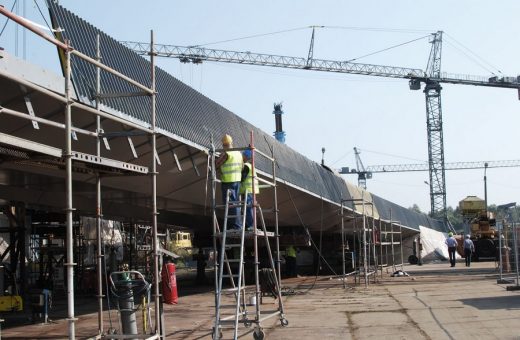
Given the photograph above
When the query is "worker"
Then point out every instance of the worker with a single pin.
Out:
(230, 164)
(290, 261)
(469, 249)
(201, 266)
(246, 186)
(451, 242)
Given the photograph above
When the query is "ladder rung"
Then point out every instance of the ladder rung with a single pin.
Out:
(231, 205)
(233, 245)
(234, 289)
(232, 322)
(232, 260)
(228, 322)
(234, 306)
(228, 275)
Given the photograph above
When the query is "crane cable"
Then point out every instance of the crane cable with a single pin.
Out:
(307, 231)
(43, 16)
(389, 48)
(378, 29)
(251, 36)
(475, 56)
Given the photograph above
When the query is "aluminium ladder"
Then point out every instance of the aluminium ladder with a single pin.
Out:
(223, 260)
(237, 241)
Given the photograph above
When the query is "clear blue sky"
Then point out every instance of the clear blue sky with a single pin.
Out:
(380, 116)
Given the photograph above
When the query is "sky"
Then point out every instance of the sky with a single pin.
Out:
(379, 116)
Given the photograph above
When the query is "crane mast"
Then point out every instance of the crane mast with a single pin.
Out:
(432, 91)
(432, 78)
(363, 174)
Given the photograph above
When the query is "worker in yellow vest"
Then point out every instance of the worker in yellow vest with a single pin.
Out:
(290, 261)
(230, 165)
(248, 178)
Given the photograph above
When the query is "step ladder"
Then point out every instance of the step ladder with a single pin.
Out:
(224, 238)
(236, 277)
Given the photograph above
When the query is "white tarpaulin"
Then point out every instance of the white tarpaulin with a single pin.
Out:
(110, 236)
(434, 245)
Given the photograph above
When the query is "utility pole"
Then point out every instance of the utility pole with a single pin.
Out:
(485, 187)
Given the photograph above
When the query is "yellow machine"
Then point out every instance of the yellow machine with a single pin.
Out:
(181, 240)
(11, 303)
(482, 226)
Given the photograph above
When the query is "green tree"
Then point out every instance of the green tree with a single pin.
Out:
(455, 218)
(415, 208)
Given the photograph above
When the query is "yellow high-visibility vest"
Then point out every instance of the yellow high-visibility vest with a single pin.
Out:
(247, 183)
(232, 168)
(290, 251)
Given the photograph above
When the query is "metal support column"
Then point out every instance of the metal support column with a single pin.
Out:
(392, 240)
(258, 293)
(401, 245)
(154, 193)
(343, 246)
(381, 233)
(373, 246)
(365, 264)
(99, 214)
(277, 234)
(69, 209)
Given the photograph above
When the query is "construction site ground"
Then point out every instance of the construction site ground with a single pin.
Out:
(434, 302)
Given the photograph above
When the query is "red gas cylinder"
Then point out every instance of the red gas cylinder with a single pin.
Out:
(169, 284)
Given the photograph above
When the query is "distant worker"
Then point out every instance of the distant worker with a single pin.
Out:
(290, 261)
(248, 173)
(230, 164)
(451, 242)
(469, 249)
(201, 266)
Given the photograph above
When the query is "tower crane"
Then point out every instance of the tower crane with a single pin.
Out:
(432, 78)
(365, 173)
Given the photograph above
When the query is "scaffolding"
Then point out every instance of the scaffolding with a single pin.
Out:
(36, 153)
(363, 255)
(374, 246)
(247, 239)
(389, 236)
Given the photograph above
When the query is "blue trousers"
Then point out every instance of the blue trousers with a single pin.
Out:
(467, 253)
(234, 188)
(249, 211)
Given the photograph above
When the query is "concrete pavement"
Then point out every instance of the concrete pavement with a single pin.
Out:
(434, 302)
